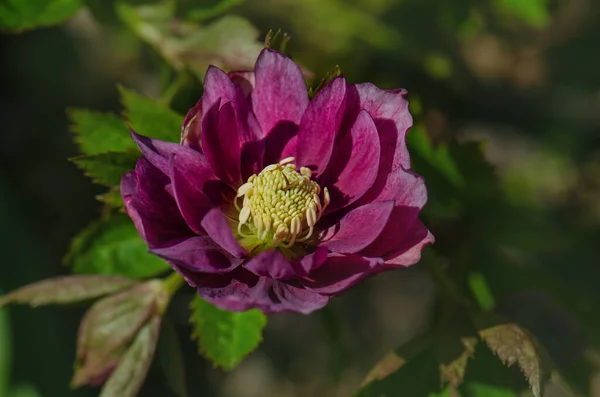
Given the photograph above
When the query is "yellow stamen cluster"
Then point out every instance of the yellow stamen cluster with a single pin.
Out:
(280, 205)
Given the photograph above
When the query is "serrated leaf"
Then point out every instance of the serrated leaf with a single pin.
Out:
(332, 74)
(110, 325)
(225, 338)
(453, 372)
(107, 168)
(229, 43)
(129, 375)
(97, 132)
(150, 118)
(113, 247)
(112, 198)
(19, 15)
(512, 344)
(66, 289)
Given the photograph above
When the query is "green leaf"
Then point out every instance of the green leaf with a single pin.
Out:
(229, 43)
(97, 132)
(67, 289)
(512, 344)
(112, 198)
(533, 12)
(170, 358)
(107, 168)
(128, 378)
(5, 352)
(476, 389)
(150, 118)
(19, 15)
(26, 390)
(113, 247)
(225, 338)
(481, 291)
(203, 14)
(332, 74)
(453, 372)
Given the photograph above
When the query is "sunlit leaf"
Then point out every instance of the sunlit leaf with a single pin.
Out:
(150, 118)
(110, 325)
(19, 15)
(533, 12)
(66, 289)
(229, 43)
(129, 376)
(332, 74)
(481, 291)
(225, 338)
(513, 345)
(97, 132)
(113, 247)
(107, 168)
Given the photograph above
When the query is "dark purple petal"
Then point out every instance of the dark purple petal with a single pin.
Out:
(340, 272)
(193, 204)
(244, 79)
(215, 224)
(281, 142)
(319, 126)
(405, 188)
(359, 227)
(218, 87)
(191, 130)
(239, 291)
(390, 112)
(354, 163)
(394, 233)
(271, 264)
(153, 210)
(312, 262)
(221, 144)
(280, 93)
(198, 254)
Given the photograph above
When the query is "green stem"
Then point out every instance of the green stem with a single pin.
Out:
(173, 283)
(172, 89)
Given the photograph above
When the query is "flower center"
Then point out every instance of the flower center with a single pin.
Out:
(280, 205)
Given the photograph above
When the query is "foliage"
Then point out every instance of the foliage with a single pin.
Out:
(19, 15)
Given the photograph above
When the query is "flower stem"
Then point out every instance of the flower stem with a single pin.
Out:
(173, 283)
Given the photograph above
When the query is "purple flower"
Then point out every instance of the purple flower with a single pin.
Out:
(278, 202)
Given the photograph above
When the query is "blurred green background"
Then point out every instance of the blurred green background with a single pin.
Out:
(521, 75)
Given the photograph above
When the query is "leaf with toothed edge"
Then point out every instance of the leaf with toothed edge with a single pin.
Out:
(107, 168)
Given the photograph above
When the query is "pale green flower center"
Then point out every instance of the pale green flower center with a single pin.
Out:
(280, 205)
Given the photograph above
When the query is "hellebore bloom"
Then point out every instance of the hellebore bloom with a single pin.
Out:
(278, 202)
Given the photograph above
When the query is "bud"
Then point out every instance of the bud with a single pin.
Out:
(111, 327)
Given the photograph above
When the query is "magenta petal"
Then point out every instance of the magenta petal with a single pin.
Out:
(271, 264)
(152, 210)
(197, 254)
(215, 224)
(244, 79)
(280, 93)
(408, 252)
(359, 227)
(354, 163)
(340, 272)
(390, 112)
(192, 202)
(399, 224)
(312, 262)
(405, 188)
(296, 299)
(221, 143)
(191, 129)
(319, 126)
(218, 87)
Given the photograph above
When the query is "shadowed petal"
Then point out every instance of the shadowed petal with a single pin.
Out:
(408, 252)
(341, 272)
(354, 163)
(221, 143)
(152, 210)
(197, 254)
(280, 93)
(192, 202)
(191, 129)
(358, 228)
(244, 79)
(312, 262)
(215, 224)
(271, 264)
(319, 126)
(396, 230)
(296, 299)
